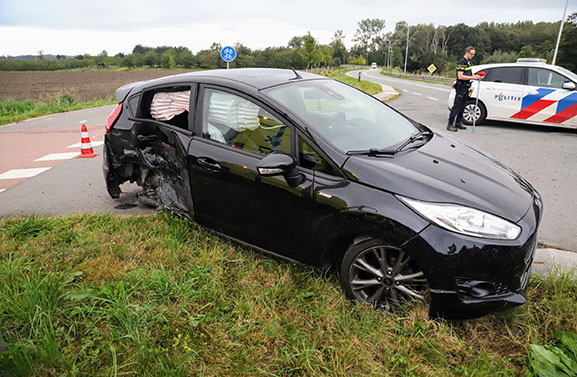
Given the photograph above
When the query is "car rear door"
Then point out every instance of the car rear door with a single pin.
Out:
(502, 90)
(161, 135)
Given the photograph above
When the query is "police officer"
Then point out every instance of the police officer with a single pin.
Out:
(464, 77)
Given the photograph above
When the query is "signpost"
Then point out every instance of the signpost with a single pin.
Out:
(228, 54)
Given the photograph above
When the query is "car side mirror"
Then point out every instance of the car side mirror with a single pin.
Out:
(569, 85)
(276, 164)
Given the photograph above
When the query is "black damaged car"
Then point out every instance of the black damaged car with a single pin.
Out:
(315, 171)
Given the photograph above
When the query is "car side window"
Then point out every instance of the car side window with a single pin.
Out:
(237, 122)
(168, 105)
(488, 74)
(546, 78)
(309, 158)
(507, 75)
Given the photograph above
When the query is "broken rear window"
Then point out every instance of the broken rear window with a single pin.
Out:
(170, 105)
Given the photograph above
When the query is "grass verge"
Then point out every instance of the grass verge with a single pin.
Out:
(158, 296)
(15, 111)
(365, 86)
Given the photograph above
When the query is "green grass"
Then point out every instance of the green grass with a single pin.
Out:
(15, 111)
(365, 86)
(101, 295)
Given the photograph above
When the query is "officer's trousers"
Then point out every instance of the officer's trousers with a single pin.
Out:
(461, 97)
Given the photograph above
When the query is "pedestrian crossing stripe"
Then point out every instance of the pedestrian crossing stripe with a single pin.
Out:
(22, 173)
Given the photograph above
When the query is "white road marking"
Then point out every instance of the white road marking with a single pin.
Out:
(94, 144)
(432, 98)
(2, 190)
(417, 94)
(22, 173)
(405, 90)
(58, 156)
(82, 121)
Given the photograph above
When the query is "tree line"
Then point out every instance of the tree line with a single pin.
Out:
(427, 44)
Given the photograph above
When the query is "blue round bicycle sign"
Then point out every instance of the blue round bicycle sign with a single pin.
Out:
(228, 54)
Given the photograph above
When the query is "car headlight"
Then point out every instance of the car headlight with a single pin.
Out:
(465, 220)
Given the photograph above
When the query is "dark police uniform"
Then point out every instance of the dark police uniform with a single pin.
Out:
(462, 92)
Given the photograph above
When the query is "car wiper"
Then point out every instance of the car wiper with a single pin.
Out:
(419, 136)
(390, 152)
(372, 152)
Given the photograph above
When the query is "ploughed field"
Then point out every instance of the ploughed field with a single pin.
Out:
(87, 86)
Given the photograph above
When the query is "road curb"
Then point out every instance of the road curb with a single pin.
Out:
(387, 93)
(553, 261)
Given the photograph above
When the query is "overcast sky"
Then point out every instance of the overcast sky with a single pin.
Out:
(77, 27)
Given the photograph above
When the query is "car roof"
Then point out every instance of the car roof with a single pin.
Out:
(257, 78)
(518, 64)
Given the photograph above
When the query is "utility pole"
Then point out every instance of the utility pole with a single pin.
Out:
(389, 60)
(560, 31)
(389, 57)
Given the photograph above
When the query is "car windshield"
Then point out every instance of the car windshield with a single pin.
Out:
(348, 118)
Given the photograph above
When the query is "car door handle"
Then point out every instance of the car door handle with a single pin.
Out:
(209, 164)
(535, 92)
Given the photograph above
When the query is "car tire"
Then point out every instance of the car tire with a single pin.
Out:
(375, 273)
(473, 111)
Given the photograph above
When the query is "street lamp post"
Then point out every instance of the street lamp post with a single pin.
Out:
(407, 50)
(560, 31)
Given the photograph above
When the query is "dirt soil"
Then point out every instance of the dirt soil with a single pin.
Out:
(86, 85)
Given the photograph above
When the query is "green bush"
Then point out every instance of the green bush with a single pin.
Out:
(15, 111)
(45, 65)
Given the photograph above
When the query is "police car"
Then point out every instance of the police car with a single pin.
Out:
(528, 91)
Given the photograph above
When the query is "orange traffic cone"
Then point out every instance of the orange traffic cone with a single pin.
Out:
(86, 150)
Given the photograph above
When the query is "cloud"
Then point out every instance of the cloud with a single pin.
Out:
(319, 14)
(77, 27)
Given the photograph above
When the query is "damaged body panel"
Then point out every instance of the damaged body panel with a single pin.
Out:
(317, 172)
(150, 152)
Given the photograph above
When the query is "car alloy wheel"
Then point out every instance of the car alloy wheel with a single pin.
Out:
(382, 276)
(474, 113)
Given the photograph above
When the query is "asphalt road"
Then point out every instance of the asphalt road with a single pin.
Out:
(545, 156)
(69, 186)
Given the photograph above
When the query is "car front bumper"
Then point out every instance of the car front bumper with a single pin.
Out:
(470, 277)
(477, 293)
